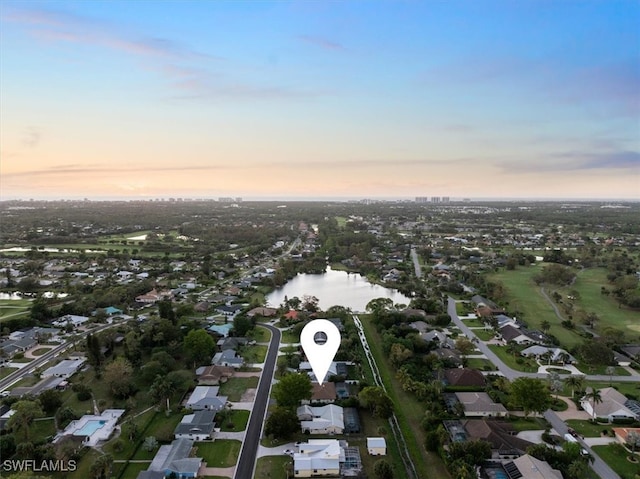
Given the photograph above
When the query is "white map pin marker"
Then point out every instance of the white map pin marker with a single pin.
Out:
(320, 348)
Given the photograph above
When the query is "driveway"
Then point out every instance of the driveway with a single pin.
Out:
(572, 411)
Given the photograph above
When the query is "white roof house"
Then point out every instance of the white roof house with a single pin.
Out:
(532, 468)
(71, 319)
(377, 446)
(613, 405)
(318, 457)
(65, 368)
(206, 397)
(327, 419)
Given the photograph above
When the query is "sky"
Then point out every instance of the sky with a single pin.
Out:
(320, 99)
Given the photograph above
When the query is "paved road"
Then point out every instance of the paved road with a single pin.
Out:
(416, 263)
(598, 465)
(247, 460)
(15, 376)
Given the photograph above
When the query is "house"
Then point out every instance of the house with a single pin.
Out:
(621, 359)
(174, 460)
(549, 354)
(70, 319)
(465, 377)
(327, 419)
(112, 311)
(317, 458)
(613, 406)
(228, 310)
(438, 336)
(511, 333)
(324, 393)
(92, 429)
(198, 426)
(376, 446)
(262, 312)
(213, 375)
(500, 434)
(631, 350)
(480, 404)
(229, 358)
(233, 343)
(153, 296)
(528, 467)
(337, 368)
(65, 368)
(206, 398)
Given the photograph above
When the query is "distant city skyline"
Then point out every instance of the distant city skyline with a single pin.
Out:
(480, 99)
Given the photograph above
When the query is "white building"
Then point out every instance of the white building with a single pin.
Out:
(65, 368)
(377, 446)
(613, 405)
(327, 419)
(318, 457)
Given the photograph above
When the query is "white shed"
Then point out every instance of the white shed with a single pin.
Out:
(377, 446)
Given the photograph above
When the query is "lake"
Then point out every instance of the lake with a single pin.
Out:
(335, 288)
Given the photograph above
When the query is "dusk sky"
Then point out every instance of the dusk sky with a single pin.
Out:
(313, 99)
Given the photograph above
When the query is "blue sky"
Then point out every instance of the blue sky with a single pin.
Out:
(320, 99)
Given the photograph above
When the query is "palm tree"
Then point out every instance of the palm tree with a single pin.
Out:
(545, 326)
(595, 397)
(161, 389)
(574, 382)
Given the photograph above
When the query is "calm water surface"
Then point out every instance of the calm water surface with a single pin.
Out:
(335, 288)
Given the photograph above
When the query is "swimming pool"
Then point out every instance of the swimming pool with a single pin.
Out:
(89, 428)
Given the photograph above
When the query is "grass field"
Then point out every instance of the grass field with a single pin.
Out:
(524, 296)
(408, 415)
(239, 419)
(272, 467)
(220, 453)
(235, 387)
(616, 457)
(132, 469)
(254, 354)
(528, 366)
(481, 364)
(289, 337)
(588, 284)
(483, 334)
(260, 335)
(14, 308)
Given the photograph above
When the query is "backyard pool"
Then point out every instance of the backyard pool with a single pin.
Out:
(89, 428)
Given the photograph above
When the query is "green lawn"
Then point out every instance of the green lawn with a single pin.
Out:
(481, 364)
(272, 467)
(40, 351)
(528, 424)
(4, 372)
(14, 308)
(603, 370)
(528, 366)
(235, 387)
(289, 337)
(587, 428)
(260, 335)
(630, 389)
(616, 457)
(483, 334)
(162, 427)
(407, 414)
(220, 453)
(254, 354)
(239, 419)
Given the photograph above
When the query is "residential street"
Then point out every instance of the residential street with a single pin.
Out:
(247, 460)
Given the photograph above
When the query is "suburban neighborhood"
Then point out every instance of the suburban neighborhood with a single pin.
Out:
(491, 340)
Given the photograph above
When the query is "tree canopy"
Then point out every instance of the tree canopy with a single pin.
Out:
(291, 389)
(531, 394)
